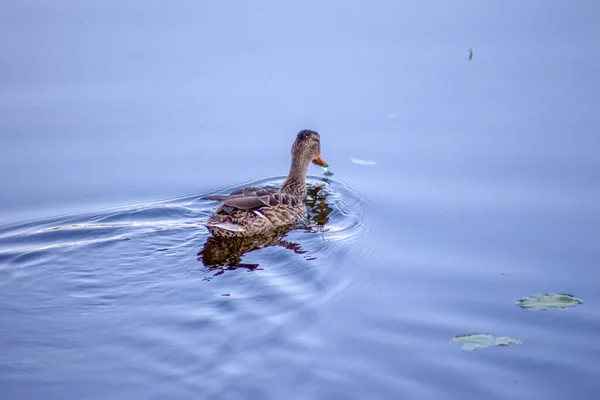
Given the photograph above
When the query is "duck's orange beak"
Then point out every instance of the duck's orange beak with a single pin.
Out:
(320, 162)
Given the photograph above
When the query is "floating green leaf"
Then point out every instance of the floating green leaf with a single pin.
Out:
(551, 301)
(482, 340)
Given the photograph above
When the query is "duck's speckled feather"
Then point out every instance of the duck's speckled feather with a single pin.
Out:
(253, 198)
(256, 210)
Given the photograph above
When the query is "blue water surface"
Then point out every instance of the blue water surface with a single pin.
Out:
(460, 186)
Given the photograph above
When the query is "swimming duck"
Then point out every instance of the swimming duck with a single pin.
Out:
(254, 211)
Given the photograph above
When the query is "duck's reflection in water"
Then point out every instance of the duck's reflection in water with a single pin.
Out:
(226, 253)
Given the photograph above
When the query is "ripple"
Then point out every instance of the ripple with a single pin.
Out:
(127, 283)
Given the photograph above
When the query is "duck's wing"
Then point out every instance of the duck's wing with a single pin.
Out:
(220, 197)
(253, 198)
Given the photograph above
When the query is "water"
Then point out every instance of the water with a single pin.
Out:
(481, 188)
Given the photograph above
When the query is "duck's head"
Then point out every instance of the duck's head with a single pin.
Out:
(308, 147)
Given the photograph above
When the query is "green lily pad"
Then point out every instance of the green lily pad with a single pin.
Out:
(483, 340)
(551, 301)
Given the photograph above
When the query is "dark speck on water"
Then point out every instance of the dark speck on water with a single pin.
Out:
(114, 129)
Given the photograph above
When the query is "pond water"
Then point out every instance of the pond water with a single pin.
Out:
(459, 187)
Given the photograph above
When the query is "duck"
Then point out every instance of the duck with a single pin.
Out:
(253, 211)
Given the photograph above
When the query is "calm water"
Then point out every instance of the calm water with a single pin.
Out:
(484, 188)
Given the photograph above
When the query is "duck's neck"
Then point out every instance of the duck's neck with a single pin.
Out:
(296, 181)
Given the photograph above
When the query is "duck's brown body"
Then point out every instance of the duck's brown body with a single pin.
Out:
(257, 211)
(254, 211)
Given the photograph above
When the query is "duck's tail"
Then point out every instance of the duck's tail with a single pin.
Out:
(214, 197)
(227, 226)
